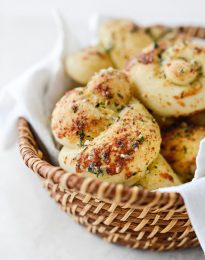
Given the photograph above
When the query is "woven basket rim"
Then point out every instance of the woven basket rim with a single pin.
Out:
(119, 193)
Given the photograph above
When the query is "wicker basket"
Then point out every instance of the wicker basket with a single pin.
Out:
(132, 217)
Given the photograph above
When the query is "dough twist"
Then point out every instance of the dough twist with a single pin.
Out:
(180, 146)
(122, 39)
(170, 82)
(106, 133)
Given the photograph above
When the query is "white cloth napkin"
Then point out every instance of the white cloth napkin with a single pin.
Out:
(34, 94)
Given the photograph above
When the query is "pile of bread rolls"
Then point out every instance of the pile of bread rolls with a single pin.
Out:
(137, 117)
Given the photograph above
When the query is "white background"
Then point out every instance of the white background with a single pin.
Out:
(31, 224)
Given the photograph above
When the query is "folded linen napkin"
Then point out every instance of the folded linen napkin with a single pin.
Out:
(34, 94)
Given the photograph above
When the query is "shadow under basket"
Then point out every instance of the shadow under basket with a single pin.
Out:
(130, 216)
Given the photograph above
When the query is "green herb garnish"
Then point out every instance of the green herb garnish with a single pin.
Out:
(185, 149)
(94, 169)
(81, 135)
(141, 138)
(119, 95)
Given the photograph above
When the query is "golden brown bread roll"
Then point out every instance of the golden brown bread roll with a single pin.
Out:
(159, 174)
(106, 133)
(122, 39)
(81, 65)
(83, 113)
(170, 82)
(180, 146)
(123, 152)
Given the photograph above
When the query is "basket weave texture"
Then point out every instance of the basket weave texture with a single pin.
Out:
(130, 216)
